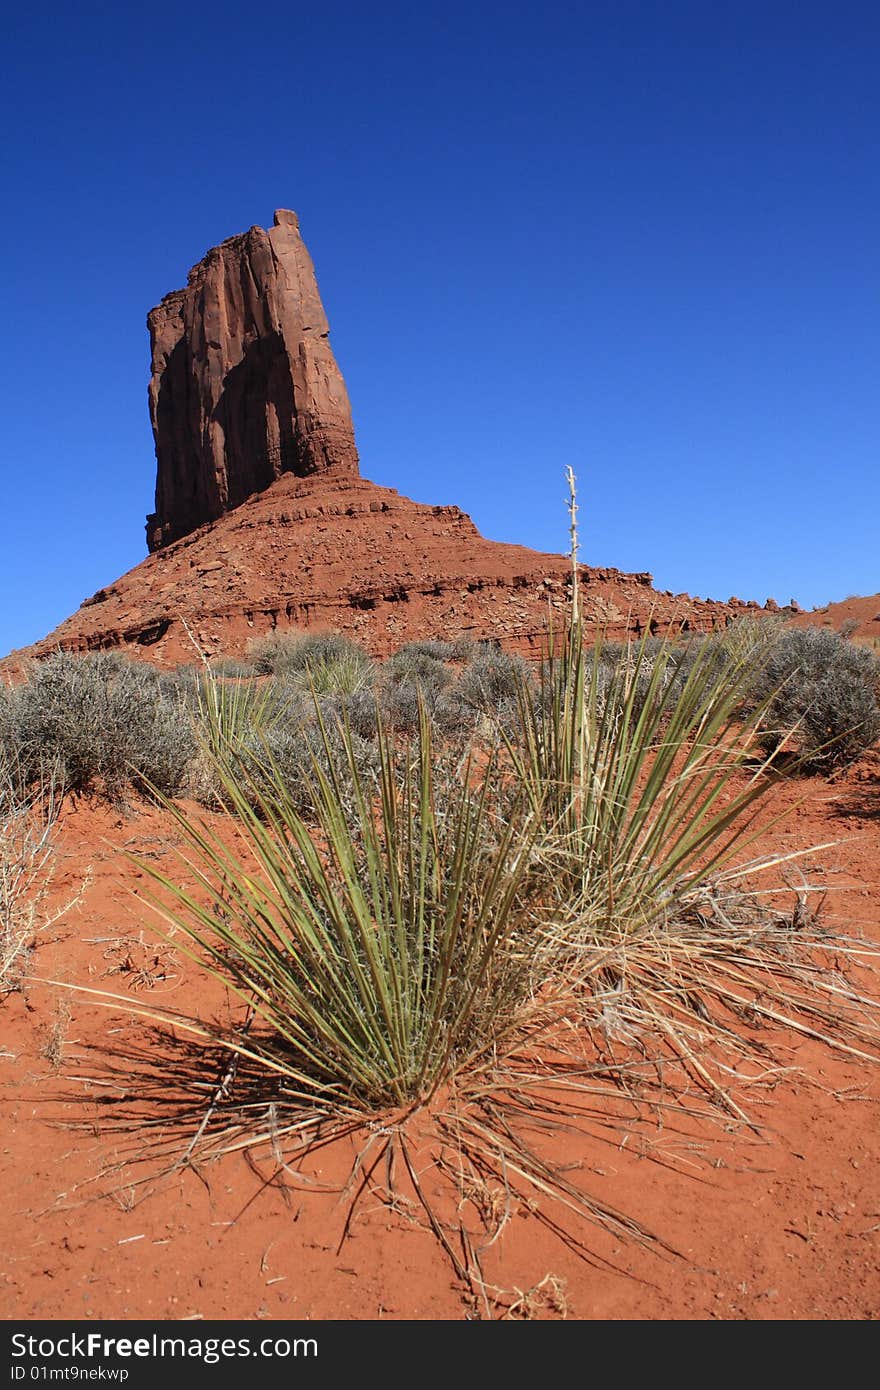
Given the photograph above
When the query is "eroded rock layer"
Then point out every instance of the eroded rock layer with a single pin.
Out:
(349, 555)
(244, 384)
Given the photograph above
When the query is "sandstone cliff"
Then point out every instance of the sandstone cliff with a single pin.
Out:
(244, 384)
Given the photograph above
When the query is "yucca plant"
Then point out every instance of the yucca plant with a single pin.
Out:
(381, 967)
(369, 946)
(234, 710)
(646, 785)
(644, 782)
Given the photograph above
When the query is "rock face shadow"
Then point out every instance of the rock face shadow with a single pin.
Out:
(257, 417)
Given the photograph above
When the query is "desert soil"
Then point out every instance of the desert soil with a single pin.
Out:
(783, 1222)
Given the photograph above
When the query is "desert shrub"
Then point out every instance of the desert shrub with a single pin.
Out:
(278, 733)
(232, 668)
(435, 650)
(288, 755)
(266, 654)
(747, 639)
(613, 653)
(451, 717)
(9, 738)
(627, 768)
(735, 650)
(399, 703)
(624, 670)
(413, 665)
(825, 686)
(358, 710)
(101, 721)
(328, 661)
(381, 965)
(185, 680)
(492, 682)
(413, 676)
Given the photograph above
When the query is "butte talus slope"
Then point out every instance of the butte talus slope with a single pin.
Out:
(263, 521)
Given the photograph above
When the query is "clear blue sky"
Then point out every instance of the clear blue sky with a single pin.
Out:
(640, 239)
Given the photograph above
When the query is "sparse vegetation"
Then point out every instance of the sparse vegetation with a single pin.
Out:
(398, 914)
(434, 651)
(491, 682)
(416, 676)
(27, 822)
(821, 693)
(440, 876)
(98, 722)
(634, 775)
(327, 662)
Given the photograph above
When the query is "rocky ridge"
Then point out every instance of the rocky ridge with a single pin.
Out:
(347, 554)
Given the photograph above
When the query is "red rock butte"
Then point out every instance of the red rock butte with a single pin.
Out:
(245, 386)
(263, 521)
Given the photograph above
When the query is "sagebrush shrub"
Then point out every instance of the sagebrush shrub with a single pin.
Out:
(232, 668)
(285, 748)
(8, 727)
(437, 651)
(411, 675)
(100, 721)
(415, 666)
(492, 681)
(829, 688)
(319, 654)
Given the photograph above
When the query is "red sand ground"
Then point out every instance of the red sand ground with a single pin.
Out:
(781, 1225)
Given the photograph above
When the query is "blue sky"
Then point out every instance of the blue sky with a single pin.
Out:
(640, 239)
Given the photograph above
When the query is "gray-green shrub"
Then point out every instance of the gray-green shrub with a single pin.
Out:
(826, 685)
(285, 746)
(412, 674)
(492, 681)
(99, 721)
(331, 661)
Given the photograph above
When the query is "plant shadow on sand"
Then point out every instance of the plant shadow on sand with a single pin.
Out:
(861, 801)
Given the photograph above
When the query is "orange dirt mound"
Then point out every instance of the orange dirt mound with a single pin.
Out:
(858, 617)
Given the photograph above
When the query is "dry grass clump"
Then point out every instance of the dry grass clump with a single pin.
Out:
(27, 821)
(326, 662)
